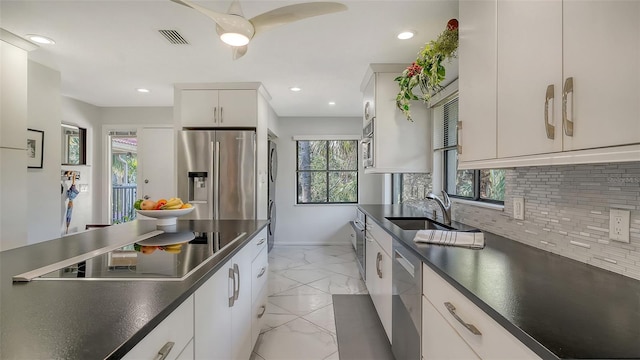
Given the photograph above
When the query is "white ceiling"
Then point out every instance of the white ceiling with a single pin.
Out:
(106, 49)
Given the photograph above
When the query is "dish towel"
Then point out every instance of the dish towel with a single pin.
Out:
(473, 240)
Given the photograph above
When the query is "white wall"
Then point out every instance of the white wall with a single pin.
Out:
(314, 224)
(44, 204)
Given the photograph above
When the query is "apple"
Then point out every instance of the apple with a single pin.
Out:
(148, 205)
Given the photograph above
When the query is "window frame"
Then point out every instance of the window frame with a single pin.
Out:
(327, 171)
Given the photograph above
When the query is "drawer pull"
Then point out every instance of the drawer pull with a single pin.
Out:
(378, 260)
(262, 271)
(232, 298)
(261, 242)
(164, 351)
(264, 309)
(452, 310)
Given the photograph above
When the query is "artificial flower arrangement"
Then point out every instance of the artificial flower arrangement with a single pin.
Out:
(428, 70)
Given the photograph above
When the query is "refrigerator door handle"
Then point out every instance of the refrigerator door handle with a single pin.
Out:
(211, 196)
(216, 181)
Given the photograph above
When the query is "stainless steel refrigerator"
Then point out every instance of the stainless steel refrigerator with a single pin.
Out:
(217, 173)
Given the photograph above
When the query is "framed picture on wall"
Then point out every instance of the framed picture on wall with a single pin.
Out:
(35, 148)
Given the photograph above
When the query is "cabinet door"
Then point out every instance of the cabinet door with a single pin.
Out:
(370, 265)
(529, 60)
(439, 340)
(213, 316)
(602, 55)
(385, 289)
(238, 108)
(199, 108)
(156, 160)
(241, 315)
(176, 328)
(477, 82)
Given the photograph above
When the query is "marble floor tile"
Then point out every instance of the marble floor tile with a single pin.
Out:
(279, 263)
(278, 283)
(351, 256)
(349, 269)
(304, 276)
(296, 340)
(324, 318)
(302, 304)
(339, 284)
(299, 291)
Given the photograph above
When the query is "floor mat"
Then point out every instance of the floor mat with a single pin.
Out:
(359, 330)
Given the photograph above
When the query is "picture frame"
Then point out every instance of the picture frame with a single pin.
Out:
(35, 148)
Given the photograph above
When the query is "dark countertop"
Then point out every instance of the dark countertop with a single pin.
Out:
(72, 319)
(558, 307)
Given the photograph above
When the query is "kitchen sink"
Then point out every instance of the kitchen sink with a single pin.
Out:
(417, 224)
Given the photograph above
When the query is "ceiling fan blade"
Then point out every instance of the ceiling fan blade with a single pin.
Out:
(227, 22)
(239, 51)
(291, 13)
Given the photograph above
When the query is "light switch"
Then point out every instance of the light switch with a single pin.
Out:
(619, 225)
(518, 208)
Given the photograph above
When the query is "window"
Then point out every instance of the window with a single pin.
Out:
(327, 171)
(478, 185)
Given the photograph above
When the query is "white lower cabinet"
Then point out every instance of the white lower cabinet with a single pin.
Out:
(439, 339)
(223, 311)
(378, 274)
(472, 326)
(170, 338)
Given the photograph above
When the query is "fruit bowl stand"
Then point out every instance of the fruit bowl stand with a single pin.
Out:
(165, 217)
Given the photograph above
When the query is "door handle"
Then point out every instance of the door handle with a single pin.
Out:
(215, 114)
(236, 293)
(378, 261)
(550, 129)
(568, 123)
(221, 116)
(452, 310)
(232, 298)
(262, 271)
(164, 351)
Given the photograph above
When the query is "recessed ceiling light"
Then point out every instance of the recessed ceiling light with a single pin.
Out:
(40, 39)
(141, 90)
(405, 35)
(295, 88)
(332, 103)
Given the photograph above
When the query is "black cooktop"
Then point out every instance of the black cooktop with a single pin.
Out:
(168, 256)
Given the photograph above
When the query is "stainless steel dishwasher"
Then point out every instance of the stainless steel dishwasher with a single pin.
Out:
(406, 303)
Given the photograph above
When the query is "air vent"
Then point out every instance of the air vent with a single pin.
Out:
(173, 37)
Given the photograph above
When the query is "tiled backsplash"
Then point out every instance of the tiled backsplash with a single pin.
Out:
(567, 212)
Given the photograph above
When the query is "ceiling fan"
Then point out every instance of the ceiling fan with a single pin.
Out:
(234, 29)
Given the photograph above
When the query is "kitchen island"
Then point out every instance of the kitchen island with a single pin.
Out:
(96, 319)
(557, 307)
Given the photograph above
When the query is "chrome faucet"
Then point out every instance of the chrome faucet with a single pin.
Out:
(445, 205)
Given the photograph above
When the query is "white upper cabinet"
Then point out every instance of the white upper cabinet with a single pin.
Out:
(601, 53)
(399, 145)
(218, 108)
(567, 80)
(529, 62)
(477, 82)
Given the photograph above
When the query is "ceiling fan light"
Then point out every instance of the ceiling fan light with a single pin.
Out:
(234, 39)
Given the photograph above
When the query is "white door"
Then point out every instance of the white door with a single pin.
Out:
(529, 61)
(156, 175)
(602, 55)
(238, 108)
(241, 314)
(199, 108)
(477, 83)
(212, 338)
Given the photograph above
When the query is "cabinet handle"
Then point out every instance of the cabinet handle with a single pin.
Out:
(215, 114)
(164, 351)
(551, 129)
(264, 309)
(452, 310)
(368, 239)
(458, 137)
(221, 116)
(260, 242)
(568, 123)
(232, 298)
(378, 260)
(236, 292)
(262, 271)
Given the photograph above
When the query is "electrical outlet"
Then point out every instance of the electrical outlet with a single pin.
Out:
(619, 225)
(518, 208)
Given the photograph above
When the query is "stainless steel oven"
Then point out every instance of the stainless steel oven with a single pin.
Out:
(359, 226)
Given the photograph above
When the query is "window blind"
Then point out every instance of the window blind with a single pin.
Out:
(445, 122)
